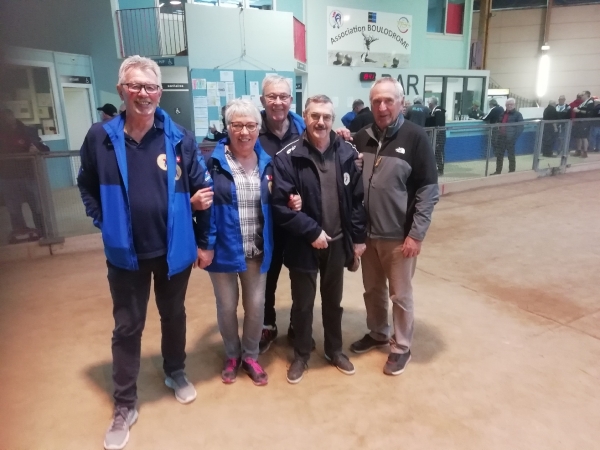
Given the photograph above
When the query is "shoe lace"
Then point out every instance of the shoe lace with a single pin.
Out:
(179, 378)
(231, 364)
(254, 365)
(120, 418)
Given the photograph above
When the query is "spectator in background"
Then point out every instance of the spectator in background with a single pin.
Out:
(218, 135)
(437, 119)
(495, 112)
(550, 129)
(17, 177)
(595, 129)
(357, 105)
(507, 137)
(407, 104)
(581, 130)
(563, 108)
(107, 111)
(475, 113)
(363, 118)
(417, 113)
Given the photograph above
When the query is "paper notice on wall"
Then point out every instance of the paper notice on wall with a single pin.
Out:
(254, 88)
(211, 85)
(201, 131)
(256, 100)
(198, 83)
(214, 100)
(349, 101)
(335, 101)
(229, 90)
(201, 123)
(226, 75)
(200, 102)
(216, 123)
(44, 99)
(200, 112)
(221, 88)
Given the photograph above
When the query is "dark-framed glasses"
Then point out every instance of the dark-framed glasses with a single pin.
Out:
(135, 87)
(316, 116)
(239, 126)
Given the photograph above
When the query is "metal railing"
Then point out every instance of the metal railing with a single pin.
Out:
(39, 199)
(148, 32)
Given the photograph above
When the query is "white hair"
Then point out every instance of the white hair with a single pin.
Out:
(510, 99)
(139, 62)
(276, 79)
(434, 100)
(417, 99)
(240, 107)
(397, 85)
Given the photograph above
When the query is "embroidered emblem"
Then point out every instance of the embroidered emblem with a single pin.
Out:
(346, 178)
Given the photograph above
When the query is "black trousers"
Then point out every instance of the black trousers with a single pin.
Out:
(504, 145)
(548, 140)
(304, 289)
(130, 292)
(440, 150)
(273, 275)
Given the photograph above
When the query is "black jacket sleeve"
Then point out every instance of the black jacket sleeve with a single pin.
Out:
(88, 181)
(359, 214)
(296, 223)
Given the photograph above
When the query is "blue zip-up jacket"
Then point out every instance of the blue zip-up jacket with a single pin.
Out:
(225, 234)
(103, 184)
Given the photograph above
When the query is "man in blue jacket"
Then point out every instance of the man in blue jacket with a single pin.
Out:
(137, 173)
(326, 235)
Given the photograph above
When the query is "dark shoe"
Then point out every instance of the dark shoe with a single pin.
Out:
(495, 173)
(366, 344)
(577, 153)
(584, 154)
(269, 334)
(256, 373)
(396, 363)
(291, 337)
(230, 370)
(296, 371)
(341, 363)
(440, 172)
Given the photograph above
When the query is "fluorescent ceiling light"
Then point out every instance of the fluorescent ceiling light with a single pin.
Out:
(545, 47)
(175, 2)
(543, 76)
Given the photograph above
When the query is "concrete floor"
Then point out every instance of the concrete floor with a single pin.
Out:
(506, 350)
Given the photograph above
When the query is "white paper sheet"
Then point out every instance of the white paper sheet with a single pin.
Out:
(254, 88)
(200, 102)
(226, 75)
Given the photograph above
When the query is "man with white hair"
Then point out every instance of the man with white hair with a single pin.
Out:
(137, 173)
(401, 190)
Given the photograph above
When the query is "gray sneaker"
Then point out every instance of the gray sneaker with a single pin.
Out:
(184, 390)
(341, 363)
(296, 371)
(117, 434)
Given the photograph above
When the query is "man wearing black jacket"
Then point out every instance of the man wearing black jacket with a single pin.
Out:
(550, 129)
(437, 119)
(363, 118)
(507, 137)
(326, 235)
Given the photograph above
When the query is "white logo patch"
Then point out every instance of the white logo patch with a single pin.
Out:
(346, 178)
(162, 161)
(291, 150)
(400, 150)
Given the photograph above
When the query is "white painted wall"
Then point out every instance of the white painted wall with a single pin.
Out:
(514, 47)
(218, 36)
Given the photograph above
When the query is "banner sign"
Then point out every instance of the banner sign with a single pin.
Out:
(362, 38)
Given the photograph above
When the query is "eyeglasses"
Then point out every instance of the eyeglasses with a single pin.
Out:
(317, 116)
(273, 97)
(239, 126)
(135, 87)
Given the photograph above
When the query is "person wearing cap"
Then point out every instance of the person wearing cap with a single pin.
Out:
(108, 111)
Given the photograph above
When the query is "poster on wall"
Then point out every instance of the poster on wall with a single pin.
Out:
(362, 38)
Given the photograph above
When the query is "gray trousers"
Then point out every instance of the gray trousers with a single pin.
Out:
(383, 262)
(227, 294)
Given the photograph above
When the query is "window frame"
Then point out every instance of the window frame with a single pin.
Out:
(58, 102)
(444, 93)
(457, 36)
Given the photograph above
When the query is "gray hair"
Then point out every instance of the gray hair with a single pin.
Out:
(139, 62)
(434, 101)
(510, 99)
(357, 103)
(493, 102)
(397, 85)
(275, 79)
(240, 107)
(417, 99)
(319, 99)
(552, 103)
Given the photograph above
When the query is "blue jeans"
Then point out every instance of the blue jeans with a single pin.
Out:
(227, 295)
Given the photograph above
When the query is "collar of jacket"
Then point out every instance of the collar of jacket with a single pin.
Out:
(115, 129)
(374, 132)
(303, 150)
(219, 154)
(294, 118)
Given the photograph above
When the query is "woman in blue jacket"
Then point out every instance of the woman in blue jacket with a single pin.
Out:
(240, 239)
